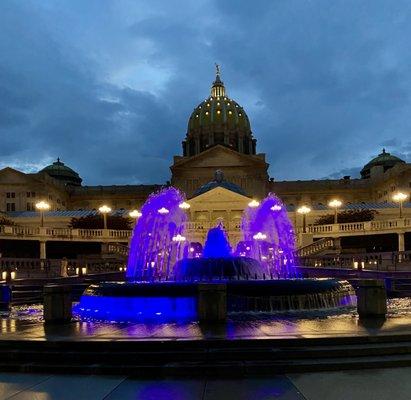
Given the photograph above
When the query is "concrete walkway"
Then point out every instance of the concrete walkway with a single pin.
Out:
(378, 384)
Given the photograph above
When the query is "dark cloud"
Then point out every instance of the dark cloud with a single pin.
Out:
(108, 86)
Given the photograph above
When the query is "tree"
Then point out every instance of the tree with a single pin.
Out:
(6, 221)
(347, 216)
(96, 222)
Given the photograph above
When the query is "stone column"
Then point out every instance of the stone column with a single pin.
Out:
(212, 302)
(337, 244)
(401, 242)
(43, 253)
(57, 304)
(211, 139)
(5, 297)
(401, 245)
(371, 298)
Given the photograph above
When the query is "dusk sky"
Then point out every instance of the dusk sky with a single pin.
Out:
(108, 86)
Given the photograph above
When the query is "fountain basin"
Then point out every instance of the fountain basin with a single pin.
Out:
(219, 268)
(177, 301)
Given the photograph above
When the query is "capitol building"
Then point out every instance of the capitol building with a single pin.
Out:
(220, 169)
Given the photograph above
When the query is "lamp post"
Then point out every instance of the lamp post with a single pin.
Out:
(400, 198)
(304, 210)
(335, 204)
(105, 210)
(42, 206)
(135, 214)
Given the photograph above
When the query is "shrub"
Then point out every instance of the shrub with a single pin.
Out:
(347, 216)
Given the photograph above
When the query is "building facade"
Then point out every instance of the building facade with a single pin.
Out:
(219, 138)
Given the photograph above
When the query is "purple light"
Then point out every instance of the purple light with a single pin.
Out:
(152, 249)
(269, 237)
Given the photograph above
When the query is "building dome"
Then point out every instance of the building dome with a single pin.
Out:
(219, 181)
(385, 160)
(58, 170)
(218, 120)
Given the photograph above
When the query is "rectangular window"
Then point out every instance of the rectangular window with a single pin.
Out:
(28, 194)
(33, 194)
(11, 206)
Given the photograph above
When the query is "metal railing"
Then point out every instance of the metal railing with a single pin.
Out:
(383, 261)
(316, 247)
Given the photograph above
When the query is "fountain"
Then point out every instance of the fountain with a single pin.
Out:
(165, 267)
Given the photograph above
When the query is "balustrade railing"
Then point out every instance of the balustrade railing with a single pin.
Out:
(65, 233)
(382, 225)
(316, 247)
(384, 261)
(51, 268)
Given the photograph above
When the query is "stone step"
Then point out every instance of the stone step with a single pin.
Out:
(159, 355)
(220, 369)
(215, 355)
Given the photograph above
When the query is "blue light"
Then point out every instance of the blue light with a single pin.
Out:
(137, 309)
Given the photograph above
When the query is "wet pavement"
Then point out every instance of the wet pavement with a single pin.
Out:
(25, 323)
(377, 384)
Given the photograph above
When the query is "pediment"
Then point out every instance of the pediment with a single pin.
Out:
(220, 157)
(221, 196)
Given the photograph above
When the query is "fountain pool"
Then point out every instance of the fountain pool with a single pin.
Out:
(164, 274)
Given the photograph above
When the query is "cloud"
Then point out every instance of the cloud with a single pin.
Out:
(109, 87)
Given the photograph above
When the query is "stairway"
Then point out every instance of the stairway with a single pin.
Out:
(321, 246)
(205, 357)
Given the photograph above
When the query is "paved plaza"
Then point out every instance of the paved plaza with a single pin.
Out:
(375, 384)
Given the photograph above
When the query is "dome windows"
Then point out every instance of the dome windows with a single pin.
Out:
(228, 104)
(196, 115)
(206, 113)
(218, 112)
(239, 114)
(218, 103)
(208, 104)
(230, 112)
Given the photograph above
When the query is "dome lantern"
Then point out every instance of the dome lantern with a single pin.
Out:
(218, 89)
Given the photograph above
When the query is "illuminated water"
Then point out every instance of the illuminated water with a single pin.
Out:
(269, 237)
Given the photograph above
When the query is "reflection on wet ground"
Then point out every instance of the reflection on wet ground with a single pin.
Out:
(26, 323)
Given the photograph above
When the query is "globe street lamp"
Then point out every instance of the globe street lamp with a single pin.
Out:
(335, 204)
(400, 198)
(304, 210)
(135, 214)
(259, 237)
(105, 210)
(42, 206)
(253, 203)
(184, 205)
